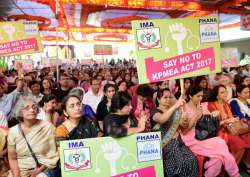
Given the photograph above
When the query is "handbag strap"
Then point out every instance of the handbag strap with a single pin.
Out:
(29, 147)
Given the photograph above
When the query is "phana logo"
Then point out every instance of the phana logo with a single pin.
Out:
(148, 148)
(209, 30)
(77, 159)
(148, 38)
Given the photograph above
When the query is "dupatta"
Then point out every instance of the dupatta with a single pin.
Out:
(169, 134)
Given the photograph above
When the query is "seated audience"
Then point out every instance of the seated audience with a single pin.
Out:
(221, 157)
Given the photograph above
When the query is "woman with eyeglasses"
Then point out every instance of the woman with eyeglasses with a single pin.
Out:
(76, 125)
(37, 134)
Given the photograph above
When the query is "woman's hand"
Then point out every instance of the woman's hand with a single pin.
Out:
(37, 171)
(228, 121)
(179, 103)
(199, 111)
(215, 114)
(142, 121)
(3, 153)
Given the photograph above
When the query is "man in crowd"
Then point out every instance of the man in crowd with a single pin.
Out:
(63, 88)
(8, 101)
(94, 96)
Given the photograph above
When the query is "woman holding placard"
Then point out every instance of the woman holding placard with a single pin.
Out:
(178, 159)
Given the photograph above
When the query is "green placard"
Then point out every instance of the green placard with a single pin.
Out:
(176, 48)
(138, 154)
(3, 63)
(16, 39)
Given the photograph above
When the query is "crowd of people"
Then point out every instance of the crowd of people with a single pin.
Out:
(37, 111)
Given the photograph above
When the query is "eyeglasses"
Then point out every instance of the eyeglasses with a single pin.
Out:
(33, 107)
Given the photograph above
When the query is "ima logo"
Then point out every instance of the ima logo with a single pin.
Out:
(146, 24)
(77, 159)
(148, 38)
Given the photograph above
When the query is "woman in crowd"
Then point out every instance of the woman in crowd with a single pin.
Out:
(104, 106)
(240, 107)
(46, 86)
(47, 111)
(134, 77)
(160, 86)
(118, 79)
(143, 102)
(122, 86)
(237, 144)
(40, 136)
(217, 158)
(86, 109)
(178, 159)
(202, 81)
(127, 78)
(117, 123)
(76, 125)
(226, 80)
(245, 80)
(187, 83)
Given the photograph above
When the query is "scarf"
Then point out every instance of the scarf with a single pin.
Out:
(243, 108)
(225, 111)
(167, 136)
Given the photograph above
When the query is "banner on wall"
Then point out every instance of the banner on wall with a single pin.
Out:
(14, 40)
(48, 62)
(103, 49)
(138, 155)
(64, 51)
(176, 48)
(229, 57)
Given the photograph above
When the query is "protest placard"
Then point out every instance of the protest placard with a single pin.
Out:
(3, 63)
(14, 40)
(138, 155)
(176, 48)
(229, 57)
(26, 64)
